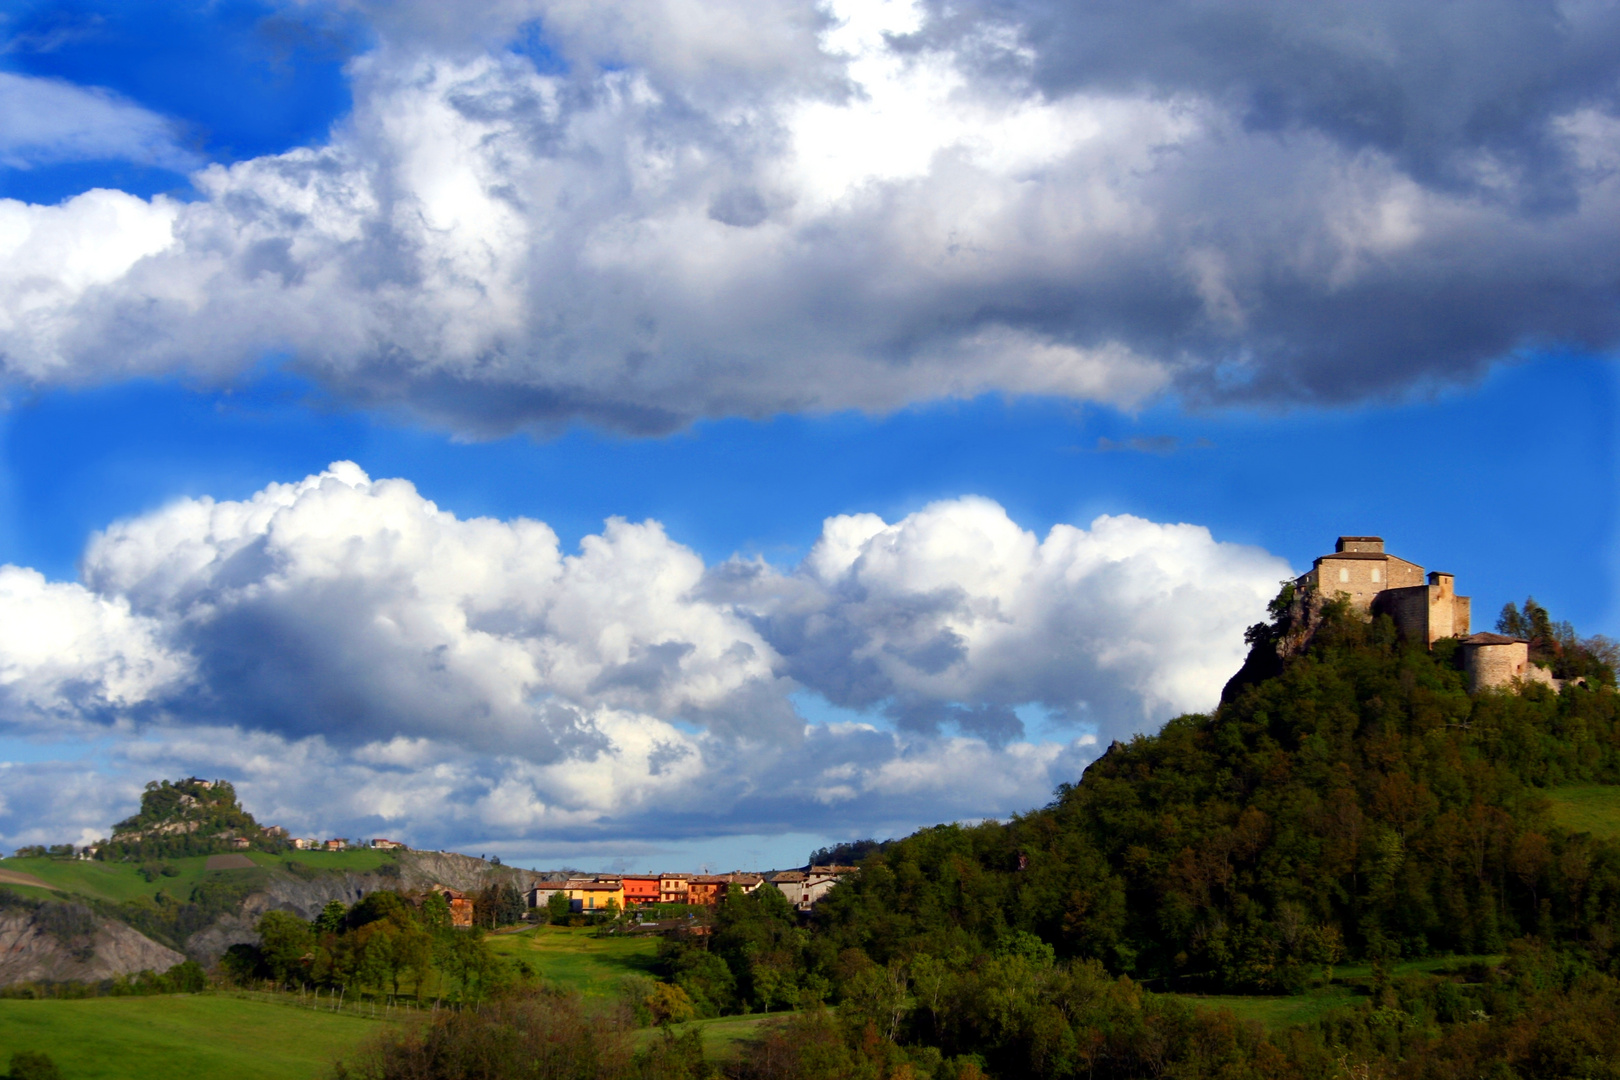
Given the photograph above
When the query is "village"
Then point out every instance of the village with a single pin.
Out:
(599, 893)
(612, 893)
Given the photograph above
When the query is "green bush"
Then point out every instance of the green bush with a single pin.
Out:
(32, 1065)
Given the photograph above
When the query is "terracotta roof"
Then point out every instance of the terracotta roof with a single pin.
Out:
(1493, 639)
(1379, 555)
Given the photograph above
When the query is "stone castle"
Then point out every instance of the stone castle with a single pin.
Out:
(1378, 583)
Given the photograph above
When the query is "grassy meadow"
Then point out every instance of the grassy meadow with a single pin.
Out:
(180, 1037)
(120, 881)
(1588, 808)
(571, 956)
(1278, 1012)
(1349, 987)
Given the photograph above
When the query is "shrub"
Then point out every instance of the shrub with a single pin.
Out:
(33, 1065)
(545, 1036)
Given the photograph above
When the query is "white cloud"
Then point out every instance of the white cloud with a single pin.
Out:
(48, 121)
(746, 208)
(955, 614)
(359, 658)
(69, 655)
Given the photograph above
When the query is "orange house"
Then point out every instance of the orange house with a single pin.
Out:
(706, 889)
(640, 889)
(461, 908)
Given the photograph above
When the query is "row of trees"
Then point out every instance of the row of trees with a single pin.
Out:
(384, 943)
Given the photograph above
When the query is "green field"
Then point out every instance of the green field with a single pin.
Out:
(571, 956)
(721, 1036)
(180, 1037)
(1588, 808)
(1277, 1012)
(120, 881)
(1349, 987)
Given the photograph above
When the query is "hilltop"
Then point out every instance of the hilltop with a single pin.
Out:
(188, 817)
(1358, 802)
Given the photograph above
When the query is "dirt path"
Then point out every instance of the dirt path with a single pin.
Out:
(17, 877)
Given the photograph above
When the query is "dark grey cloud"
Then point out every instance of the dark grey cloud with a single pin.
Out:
(795, 208)
(1432, 85)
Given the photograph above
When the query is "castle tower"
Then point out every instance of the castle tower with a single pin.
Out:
(1378, 583)
(1361, 569)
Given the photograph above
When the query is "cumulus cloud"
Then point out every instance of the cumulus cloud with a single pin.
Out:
(746, 208)
(350, 650)
(48, 121)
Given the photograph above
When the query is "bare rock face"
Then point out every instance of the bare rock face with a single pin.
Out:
(423, 869)
(66, 943)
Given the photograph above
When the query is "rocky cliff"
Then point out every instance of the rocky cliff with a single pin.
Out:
(414, 871)
(66, 943)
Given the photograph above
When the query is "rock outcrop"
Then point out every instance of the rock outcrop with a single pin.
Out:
(413, 871)
(66, 943)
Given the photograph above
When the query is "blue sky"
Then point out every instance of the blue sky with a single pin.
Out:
(1272, 323)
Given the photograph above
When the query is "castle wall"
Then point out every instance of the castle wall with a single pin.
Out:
(1491, 666)
(1361, 575)
(1410, 608)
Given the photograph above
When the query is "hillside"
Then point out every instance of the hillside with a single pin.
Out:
(1357, 803)
(1432, 874)
(180, 906)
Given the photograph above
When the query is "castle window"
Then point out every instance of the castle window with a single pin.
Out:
(1344, 573)
(1375, 573)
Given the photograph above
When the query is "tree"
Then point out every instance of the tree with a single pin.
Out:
(333, 918)
(378, 906)
(510, 905)
(436, 912)
(1511, 623)
(467, 959)
(286, 943)
(558, 906)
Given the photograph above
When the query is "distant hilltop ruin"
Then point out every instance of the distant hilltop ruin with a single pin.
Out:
(1378, 583)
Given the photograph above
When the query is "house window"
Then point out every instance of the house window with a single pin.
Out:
(1375, 572)
(1344, 573)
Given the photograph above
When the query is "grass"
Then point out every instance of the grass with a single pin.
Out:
(180, 1037)
(572, 957)
(120, 881)
(1588, 808)
(1348, 987)
(1277, 1012)
(722, 1036)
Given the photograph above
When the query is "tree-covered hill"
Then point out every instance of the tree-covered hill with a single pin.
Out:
(186, 817)
(1349, 800)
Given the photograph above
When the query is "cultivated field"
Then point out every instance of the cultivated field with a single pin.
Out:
(1590, 808)
(180, 1037)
